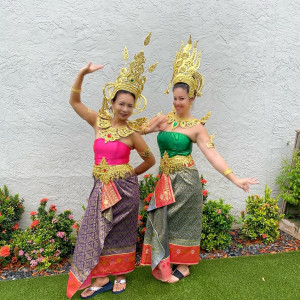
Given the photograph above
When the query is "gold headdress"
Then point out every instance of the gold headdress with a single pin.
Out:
(130, 79)
(185, 68)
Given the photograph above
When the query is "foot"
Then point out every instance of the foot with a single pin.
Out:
(98, 283)
(119, 284)
(180, 272)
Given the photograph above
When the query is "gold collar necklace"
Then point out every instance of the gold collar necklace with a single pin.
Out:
(109, 133)
(176, 121)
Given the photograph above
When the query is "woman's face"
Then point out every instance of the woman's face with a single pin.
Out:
(123, 106)
(181, 101)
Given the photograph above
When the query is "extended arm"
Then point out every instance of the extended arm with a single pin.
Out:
(218, 162)
(75, 100)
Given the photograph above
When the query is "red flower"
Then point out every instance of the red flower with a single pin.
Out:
(204, 193)
(33, 213)
(52, 207)
(140, 217)
(34, 223)
(44, 200)
(260, 208)
(14, 260)
(150, 195)
(146, 207)
(267, 205)
(4, 231)
(158, 176)
(242, 212)
(75, 226)
(203, 181)
(146, 176)
(15, 227)
(141, 223)
(4, 251)
(264, 235)
(0, 213)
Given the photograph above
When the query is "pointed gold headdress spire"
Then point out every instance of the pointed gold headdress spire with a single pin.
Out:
(186, 64)
(130, 79)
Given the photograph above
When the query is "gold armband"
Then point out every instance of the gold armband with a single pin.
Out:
(89, 110)
(227, 171)
(146, 153)
(75, 91)
(211, 144)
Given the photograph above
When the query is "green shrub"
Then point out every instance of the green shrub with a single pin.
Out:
(216, 224)
(289, 179)
(11, 209)
(261, 219)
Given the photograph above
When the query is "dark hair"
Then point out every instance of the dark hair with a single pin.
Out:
(184, 86)
(113, 100)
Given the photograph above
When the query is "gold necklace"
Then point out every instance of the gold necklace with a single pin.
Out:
(176, 121)
(109, 133)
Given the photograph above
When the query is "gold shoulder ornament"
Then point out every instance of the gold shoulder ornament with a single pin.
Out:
(176, 121)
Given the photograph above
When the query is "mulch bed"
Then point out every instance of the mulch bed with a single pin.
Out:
(238, 247)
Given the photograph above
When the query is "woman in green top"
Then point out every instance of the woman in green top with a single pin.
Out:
(173, 227)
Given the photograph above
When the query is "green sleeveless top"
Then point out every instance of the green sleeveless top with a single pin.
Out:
(174, 143)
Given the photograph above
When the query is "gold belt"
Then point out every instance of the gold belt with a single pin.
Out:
(175, 163)
(106, 173)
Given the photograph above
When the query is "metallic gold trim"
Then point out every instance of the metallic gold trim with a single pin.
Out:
(175, 163)
(106, 173)
(176, 121)
(211, 143)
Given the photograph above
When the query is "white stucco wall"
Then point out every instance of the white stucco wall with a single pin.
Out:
(250, 63)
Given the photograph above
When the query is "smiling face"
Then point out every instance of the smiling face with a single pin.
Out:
(181, 101)
(123, 105)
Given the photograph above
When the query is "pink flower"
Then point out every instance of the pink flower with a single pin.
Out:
(61, 234)
(57, 252)
(33, 263)
(54, 221)
(66, 239)
(219, 211)
(264, 235)
(75, 226)
(29, 258)
(29, 242)
(21, 252)
(41, 250)
(226, 216)
(70, 217)
(40, 259)
(52, 241)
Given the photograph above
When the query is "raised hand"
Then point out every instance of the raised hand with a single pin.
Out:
(90, 68)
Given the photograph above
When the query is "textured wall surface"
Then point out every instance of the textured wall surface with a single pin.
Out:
(250, 62)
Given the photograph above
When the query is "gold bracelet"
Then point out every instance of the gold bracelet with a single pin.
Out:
(145, 126)
(89, 110)
(227, 171)
(75, 91)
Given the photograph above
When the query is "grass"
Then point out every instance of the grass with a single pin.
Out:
(269, 276)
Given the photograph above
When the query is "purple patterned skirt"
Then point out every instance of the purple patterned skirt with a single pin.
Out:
(106, 241)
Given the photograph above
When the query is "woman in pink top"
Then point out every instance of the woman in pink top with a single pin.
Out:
(106, 243)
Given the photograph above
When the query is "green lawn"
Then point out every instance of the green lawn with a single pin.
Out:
(261, 277)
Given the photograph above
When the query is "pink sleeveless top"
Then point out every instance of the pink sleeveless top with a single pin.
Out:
(115, 153)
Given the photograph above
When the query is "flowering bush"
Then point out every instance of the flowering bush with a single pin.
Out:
(11, 209)
(204, 191)
(261, 219)
(216, 224)
(147, 187)
(289, 179)
(46, 241)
